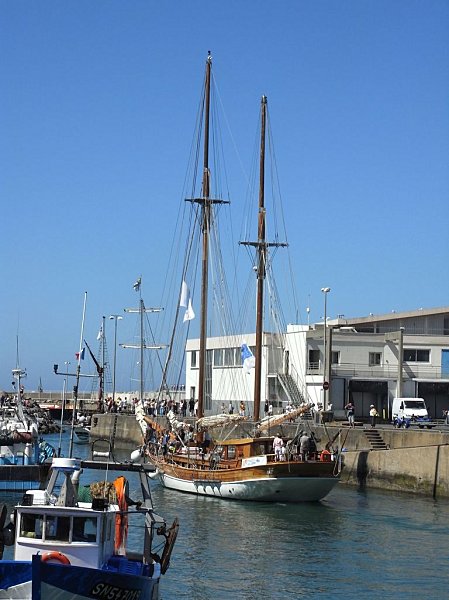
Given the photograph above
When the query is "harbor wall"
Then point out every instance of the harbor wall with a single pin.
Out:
(421, 470)
(415, 460)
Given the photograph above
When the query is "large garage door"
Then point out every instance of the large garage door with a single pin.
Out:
(363, 393)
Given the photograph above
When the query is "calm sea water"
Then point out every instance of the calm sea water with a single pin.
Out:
(353, 544)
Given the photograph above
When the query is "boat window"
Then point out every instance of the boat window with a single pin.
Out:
(57, 528)
(231, 452)
(31, 525)
(259, 449)
(84, 529)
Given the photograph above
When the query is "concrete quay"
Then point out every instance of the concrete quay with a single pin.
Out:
(405, 460)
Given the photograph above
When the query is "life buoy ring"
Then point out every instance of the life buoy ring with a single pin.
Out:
(55, 556)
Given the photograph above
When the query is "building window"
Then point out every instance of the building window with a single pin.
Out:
(446, 326)
(314, 360)
(374, 359)
(218, 357)
(335, 358)
(229, 357)
(193, 359)
(416, 355)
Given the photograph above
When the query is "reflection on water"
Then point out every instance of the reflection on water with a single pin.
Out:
(352, 544)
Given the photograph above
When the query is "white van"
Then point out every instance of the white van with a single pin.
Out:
(406, 408)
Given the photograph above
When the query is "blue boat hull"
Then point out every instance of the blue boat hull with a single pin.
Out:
(51, 581)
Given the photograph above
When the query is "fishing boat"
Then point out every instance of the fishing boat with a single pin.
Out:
(23, 456)
(248, 467)
(81, 434)
(71, 540)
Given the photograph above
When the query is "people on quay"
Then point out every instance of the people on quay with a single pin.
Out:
(350, 411)
(191, 406)
(184, 408)
(231, 408)
(242, 409)
(265, 408)
(270, 410)
(278, 447)
(304, 446)
(373, 414)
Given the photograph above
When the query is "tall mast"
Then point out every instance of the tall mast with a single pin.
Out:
(261, 260)
(206, 203)
(205, 227)
(143, 345)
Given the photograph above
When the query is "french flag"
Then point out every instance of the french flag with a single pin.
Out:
(79, 356)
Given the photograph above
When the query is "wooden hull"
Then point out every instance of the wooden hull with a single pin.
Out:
(274, 482)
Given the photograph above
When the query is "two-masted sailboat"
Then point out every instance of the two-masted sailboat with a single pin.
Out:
(246, 468)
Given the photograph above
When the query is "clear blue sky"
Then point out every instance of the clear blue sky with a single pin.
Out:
(97, 108)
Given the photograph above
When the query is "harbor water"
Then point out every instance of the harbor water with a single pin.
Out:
(353, 544)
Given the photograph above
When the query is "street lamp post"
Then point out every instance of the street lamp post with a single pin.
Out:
(116, 318)
(325, 291)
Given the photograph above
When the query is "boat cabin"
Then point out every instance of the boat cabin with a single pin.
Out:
(83, 532)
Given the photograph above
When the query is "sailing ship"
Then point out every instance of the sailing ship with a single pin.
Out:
(23, 457)
(240, 468)
(71, 540)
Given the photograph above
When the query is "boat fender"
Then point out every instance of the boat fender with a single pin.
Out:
(55, 556)
(136, 455)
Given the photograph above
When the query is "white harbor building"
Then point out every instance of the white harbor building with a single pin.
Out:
(368, 360)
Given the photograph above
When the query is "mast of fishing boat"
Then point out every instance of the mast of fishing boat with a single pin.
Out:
(78, 375)
(143, 345)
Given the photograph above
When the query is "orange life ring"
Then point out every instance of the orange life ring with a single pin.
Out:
(57, 556)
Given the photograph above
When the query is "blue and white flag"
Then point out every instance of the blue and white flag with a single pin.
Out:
(186, 302)
(248, 359)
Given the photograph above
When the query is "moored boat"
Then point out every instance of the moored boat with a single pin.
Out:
(81, 434)
(251, 467)
(70, 541)
(23, 457)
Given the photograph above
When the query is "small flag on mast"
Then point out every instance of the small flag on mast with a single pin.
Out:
(79, 356)
(136, 285)
(248, 359)
(100, 333)
(186, 302)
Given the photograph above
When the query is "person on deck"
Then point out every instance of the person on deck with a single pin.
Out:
(278, 444)
(304, 446)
